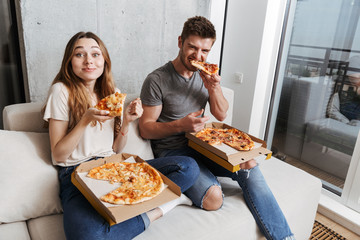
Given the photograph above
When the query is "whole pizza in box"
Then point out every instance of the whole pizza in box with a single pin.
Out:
(229, 136)
(127, 181)
(138, 181)
(227, 145)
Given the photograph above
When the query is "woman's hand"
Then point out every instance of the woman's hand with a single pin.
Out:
(93, 114)
(133, 111)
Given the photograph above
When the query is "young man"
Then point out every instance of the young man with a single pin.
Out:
(174, 97)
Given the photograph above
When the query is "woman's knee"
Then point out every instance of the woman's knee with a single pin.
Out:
(213, 198)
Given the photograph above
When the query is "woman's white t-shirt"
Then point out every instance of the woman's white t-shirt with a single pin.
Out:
(96, 141)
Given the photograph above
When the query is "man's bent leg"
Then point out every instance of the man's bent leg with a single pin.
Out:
(182, 170)
(206, 192)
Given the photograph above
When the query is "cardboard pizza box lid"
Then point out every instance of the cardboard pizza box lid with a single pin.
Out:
(230, 161)
(120, 213)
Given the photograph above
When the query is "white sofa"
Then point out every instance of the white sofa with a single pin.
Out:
(318, 133)
(31, 208)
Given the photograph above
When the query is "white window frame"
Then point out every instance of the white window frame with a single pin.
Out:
(351, 191)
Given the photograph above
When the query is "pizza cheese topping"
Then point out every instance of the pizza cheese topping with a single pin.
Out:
(113, 103)
(231, 137)
(138, 181)
(209, 68)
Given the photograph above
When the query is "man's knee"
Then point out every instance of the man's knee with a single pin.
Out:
(249, 164)
(213, 198)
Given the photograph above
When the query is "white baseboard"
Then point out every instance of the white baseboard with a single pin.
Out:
(339, 213)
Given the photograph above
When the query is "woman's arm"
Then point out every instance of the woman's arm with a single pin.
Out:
(63, 143)
(132, 112)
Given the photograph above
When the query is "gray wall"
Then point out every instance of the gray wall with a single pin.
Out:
(140, 35)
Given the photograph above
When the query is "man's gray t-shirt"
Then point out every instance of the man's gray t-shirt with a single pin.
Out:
(178, 96)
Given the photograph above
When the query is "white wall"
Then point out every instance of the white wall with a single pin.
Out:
(270, 46)
(242, 44)
(137, 32)
(251, 43)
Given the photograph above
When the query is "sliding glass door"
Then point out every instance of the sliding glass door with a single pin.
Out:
(316, 117)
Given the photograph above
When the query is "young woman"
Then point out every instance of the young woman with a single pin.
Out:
(79, 133)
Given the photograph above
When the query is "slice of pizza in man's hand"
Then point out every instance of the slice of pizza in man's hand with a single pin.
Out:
(113, 103)
(208, 68)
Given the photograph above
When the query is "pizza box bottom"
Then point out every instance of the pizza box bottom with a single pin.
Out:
(230, 161)
(120, 213)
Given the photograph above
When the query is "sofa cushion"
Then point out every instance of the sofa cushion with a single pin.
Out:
(29, 183)
(16, 230)
(333, 109)
(296, 191)
(136, 144)
(24, 117)
(47, 227)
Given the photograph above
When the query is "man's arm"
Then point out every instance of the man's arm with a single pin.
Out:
(151, 129)
(218, 103)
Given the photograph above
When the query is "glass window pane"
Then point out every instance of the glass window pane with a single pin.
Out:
(319, 110)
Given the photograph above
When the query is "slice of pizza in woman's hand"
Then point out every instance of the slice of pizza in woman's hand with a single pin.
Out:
(113, 103)
(209, 68)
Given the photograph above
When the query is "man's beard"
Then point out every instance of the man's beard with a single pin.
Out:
(184, 61)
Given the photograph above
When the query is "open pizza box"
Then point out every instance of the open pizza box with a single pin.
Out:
(118, 213)
(225, 155)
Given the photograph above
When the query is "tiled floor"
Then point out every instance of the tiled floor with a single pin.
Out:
(316, 172)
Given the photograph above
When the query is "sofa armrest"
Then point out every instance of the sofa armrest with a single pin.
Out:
(24, 117)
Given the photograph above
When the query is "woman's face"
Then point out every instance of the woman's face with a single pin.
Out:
(87, 61)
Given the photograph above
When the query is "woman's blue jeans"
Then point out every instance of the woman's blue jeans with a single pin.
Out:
(81, 220)
(257, 194)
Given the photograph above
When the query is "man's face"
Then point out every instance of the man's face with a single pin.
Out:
(194, 48)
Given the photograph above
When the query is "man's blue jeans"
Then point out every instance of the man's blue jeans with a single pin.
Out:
(81, 220)
(257, 194)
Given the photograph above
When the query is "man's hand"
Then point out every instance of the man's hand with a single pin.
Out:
(210, 81)
(193, 123)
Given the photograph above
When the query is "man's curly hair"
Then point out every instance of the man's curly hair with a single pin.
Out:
(198, 26)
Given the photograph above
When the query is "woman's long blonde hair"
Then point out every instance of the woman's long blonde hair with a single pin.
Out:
(79, 100)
